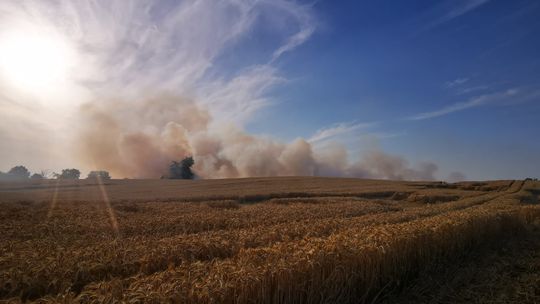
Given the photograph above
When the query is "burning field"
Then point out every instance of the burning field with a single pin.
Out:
(269, 240)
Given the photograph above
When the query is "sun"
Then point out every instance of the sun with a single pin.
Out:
(34, 61)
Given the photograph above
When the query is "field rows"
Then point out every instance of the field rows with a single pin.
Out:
(300, 250)
(332, 269)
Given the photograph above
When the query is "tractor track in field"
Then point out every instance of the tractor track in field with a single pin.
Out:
(162, 253)
(478, 200)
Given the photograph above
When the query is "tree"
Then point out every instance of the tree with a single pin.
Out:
(37, 176)
(18, 172)
(68, 174)
(103, 175)
(182, 169)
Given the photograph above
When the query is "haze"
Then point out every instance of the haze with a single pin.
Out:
(445, 90)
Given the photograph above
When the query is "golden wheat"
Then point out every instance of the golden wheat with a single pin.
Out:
(345, 246)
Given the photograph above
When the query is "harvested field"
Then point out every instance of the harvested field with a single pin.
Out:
(260, 240)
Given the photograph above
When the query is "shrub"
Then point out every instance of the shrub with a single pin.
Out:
(104, 175)
(68, 174)
(36, 176)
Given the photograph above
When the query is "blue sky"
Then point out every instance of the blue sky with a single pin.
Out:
(385, 62)
(377, 89)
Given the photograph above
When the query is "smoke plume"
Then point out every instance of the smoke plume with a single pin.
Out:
(139, 139)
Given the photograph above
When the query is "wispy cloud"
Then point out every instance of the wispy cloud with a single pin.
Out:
(338, 129)
(239, 98)
(294, 41)
(461, 8)
(464, 86)
(455, 82)
(129, 49)
(471, 103)
(306, 27)
(467, 90)
(445, 11)
(133, 47)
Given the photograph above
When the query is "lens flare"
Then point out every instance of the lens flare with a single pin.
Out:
(110, 211)
(54, 200)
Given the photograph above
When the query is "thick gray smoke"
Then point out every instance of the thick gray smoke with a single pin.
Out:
(140, 139)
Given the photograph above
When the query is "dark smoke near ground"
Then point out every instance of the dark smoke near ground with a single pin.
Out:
(140, 139)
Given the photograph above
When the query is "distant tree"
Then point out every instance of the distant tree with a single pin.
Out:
(37, 176)
(99, 174)
(45, 173)
(68, 174)
(3, 176)
(18, 172)
(182, 169)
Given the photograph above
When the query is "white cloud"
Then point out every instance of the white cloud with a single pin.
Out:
(447, 10)
(306, 26)
(134, 46)
(471, 103)
(455, 82)
(237, 99)
(467, 90)
(131, 48)
(338, 129)
(294, 41)
(461, 9)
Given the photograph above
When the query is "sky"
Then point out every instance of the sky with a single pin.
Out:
(446, 90)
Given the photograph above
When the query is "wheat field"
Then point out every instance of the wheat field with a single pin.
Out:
(259, 240)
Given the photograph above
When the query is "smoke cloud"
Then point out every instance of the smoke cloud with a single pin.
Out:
(183, 47)
(139, 139)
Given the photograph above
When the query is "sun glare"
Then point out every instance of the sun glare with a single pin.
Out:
(34, 62)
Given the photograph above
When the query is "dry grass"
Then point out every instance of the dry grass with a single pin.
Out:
(280, 240)
(229, 204)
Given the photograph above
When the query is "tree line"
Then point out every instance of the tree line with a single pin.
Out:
(177, 170)
(22, 173)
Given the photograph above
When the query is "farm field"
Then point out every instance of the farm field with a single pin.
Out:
(269, 240)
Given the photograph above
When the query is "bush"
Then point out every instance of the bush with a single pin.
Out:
(37, 176)
(103, 175)
(68, 174)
